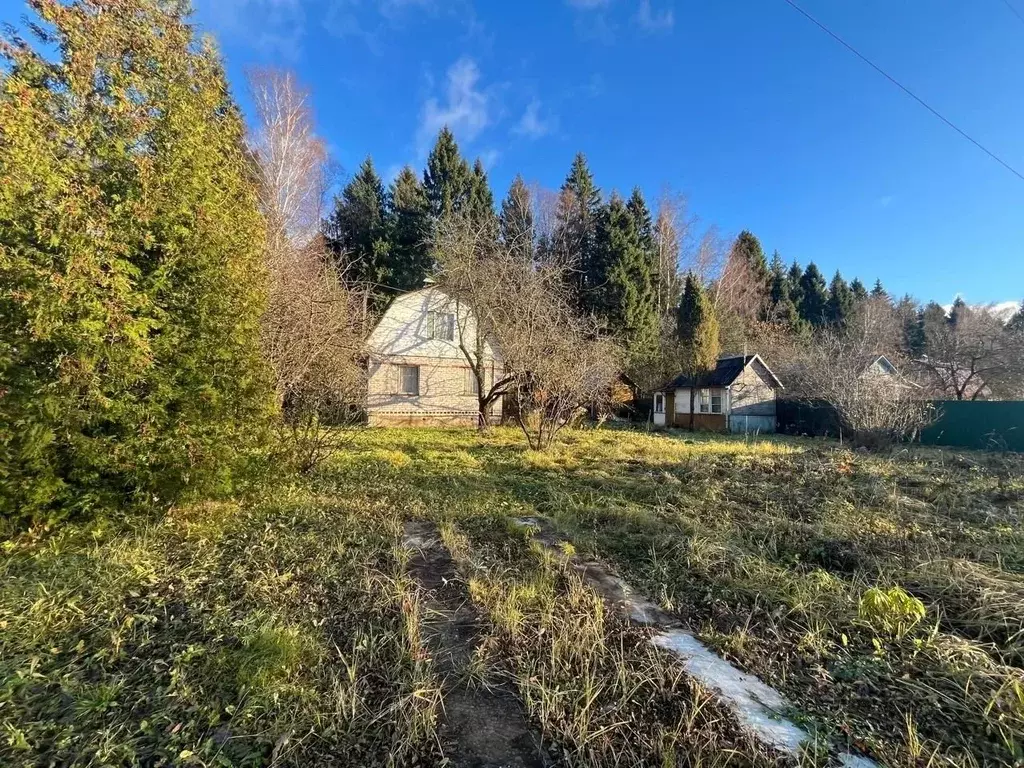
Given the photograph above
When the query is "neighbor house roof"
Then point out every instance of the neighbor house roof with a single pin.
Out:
(726, 372)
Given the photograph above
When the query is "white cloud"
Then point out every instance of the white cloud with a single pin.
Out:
(466, 109)
(650, 20)
(885, 201)
(532, 124)
(1003, 310)
(489, 157)
(274, 27)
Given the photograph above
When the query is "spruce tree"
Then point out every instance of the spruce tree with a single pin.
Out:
(641, 215)
(516, 221)
(357, 233)
(132, 280)
(912, 326)
(408, 232)
(579, 206)
(860, 292)
(623, 294)
(480, 203)
(748, 247)
(958, 311)
(840, 301)
(813, 296)
(934, 321)
(447, 179)
(778, 281)
(796, 276)
(782, 309)
(697, 329)
(879, 292)
(1016, 323)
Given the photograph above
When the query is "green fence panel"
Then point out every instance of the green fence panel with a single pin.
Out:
(992, 425)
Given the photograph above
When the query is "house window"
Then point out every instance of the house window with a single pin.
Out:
(409, 379)
(710, 402)
(472, 384)
(659, 403)
(441, 325)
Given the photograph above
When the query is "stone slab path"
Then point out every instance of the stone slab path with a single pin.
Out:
(758, 707)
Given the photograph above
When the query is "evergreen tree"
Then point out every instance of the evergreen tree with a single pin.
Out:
(813, 296)
(778, 281)
(796, 277)
(623, 293)
(879, 292)
(860, 292)
(641, 214)
(933, 322)
(131, 268)
(782, 309)
(912, 322)
(408, 232)
(480, 203)
(840, 301)
(1016, 323)
(697, 329)
(579, 206)
(448, 180)
(516, 220)
(749, 248)
(357, 232)
(958, 311)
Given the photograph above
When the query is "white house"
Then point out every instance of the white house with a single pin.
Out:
(419, 370)
(738, 396)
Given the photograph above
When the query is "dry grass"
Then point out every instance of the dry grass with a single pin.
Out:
(284, 630)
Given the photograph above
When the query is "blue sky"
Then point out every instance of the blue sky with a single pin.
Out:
(756, 115)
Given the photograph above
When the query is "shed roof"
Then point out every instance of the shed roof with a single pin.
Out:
(726, 372)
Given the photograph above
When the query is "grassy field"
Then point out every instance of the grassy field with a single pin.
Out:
(882, 594)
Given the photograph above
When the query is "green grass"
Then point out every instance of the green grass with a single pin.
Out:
(883, 594)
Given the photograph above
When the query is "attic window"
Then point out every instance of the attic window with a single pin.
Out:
(441, 325)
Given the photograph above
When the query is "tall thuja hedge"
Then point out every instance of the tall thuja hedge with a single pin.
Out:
(131, 284)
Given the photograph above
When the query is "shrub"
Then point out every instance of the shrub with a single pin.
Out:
(130, 266)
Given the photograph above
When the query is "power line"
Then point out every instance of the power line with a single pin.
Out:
(906, 90)
(1014, 11)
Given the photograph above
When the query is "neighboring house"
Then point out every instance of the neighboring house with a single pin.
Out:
(880, 369)
(418, 374)
(738, 396)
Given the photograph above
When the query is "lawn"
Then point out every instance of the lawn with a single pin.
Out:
(882, 594)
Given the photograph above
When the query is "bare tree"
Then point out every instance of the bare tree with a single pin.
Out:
(480, 275)
(312, 332)
(971, 355)
(874, 406)
(553, 363)
(672, 231)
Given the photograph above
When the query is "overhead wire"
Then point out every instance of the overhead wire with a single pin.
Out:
(905, 89)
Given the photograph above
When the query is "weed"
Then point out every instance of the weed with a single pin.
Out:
(891, 612)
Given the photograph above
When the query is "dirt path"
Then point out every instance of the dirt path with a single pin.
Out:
(480, 727)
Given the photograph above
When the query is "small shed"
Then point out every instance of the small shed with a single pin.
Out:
(739, 395)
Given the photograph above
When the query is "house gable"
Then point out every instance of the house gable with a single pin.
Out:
(417, 370)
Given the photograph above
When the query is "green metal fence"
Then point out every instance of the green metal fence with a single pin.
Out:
(988, 425)
(992, 425)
